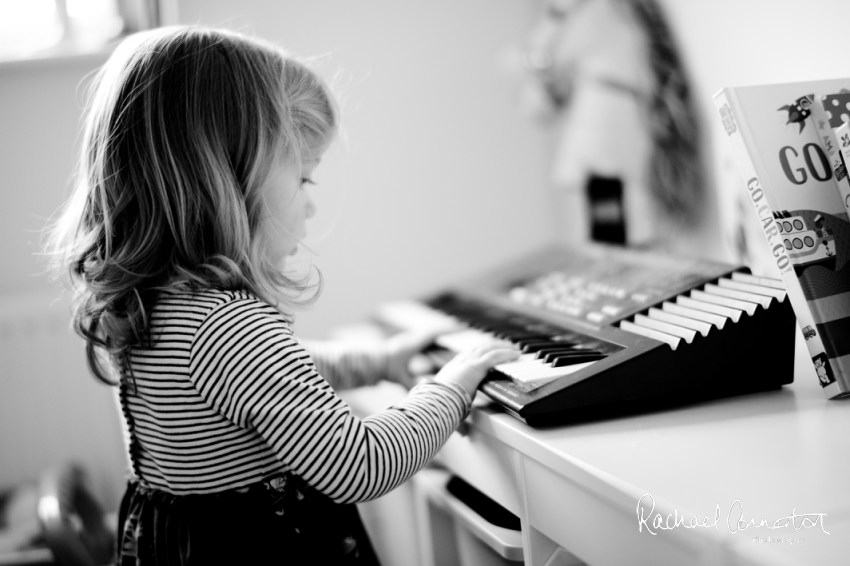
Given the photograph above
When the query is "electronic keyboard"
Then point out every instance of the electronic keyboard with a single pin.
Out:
(606, 331)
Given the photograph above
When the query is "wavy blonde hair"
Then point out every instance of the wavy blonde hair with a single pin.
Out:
(181, 129)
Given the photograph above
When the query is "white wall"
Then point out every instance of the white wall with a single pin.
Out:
(40, 107)
(442, 175)
(51, 411)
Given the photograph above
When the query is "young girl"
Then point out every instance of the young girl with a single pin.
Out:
(198, 148)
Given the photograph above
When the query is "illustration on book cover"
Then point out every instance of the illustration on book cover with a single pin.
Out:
(798, 112)
(823, 370)
(809, 236)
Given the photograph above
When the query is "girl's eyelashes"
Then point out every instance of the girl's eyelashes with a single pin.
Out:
(307, 181)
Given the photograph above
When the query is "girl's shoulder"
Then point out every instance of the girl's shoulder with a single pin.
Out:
(199, 305)
(194, 294)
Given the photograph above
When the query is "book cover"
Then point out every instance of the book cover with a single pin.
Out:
(842, 135)
(829, 112)
(794, 193)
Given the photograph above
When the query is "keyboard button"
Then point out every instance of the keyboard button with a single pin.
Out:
(715, 319)
(666, 327)
(702, 327)
(669, 339)
(709, 307)
(778, 294)
(739, 295)
(747, 307)
(755, 280)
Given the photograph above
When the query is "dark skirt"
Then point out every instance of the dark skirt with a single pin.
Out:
(280, 520)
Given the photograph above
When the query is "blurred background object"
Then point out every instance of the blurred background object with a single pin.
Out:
(607, 76)
(55, 519)
(59, 28)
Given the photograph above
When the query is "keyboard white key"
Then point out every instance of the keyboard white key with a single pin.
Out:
(738, 295)
(544, 373)
(747, 307)
(528, 369)
(702, 327)
(715, 319)
(686, 333)
(670, 340)
(709, 307)
(777, 294)
(525, 364)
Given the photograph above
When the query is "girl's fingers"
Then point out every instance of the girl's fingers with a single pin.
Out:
(489, 354)
(500, 356)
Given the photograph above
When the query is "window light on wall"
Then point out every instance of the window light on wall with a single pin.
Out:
(46, 28)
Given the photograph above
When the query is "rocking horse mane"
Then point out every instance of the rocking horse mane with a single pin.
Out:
(676, 172)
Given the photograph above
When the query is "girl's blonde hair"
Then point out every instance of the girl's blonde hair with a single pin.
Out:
(182, 127)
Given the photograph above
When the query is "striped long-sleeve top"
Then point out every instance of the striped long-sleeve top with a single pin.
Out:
(225, 396)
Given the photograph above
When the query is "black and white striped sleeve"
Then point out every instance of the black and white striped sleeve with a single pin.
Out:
(247, 365)
(346, 365)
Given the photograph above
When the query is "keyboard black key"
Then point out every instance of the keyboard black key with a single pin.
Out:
(556, 347)
(552, 356)
(580, 359)
(542, 354)
(534, 347)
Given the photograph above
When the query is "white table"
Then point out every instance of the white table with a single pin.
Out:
(760, 456)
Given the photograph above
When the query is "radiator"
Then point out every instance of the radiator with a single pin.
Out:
(52, 411)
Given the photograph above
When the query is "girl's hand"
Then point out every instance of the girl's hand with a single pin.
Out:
(468, 369)
(401, 349)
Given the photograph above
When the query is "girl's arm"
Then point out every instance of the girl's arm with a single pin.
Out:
(246, 363)
(349, 364)
(346, 365)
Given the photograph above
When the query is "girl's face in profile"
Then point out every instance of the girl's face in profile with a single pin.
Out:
(288, 206)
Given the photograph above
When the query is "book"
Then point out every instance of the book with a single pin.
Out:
(829, 112)
(842, 135)
(792, 187)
